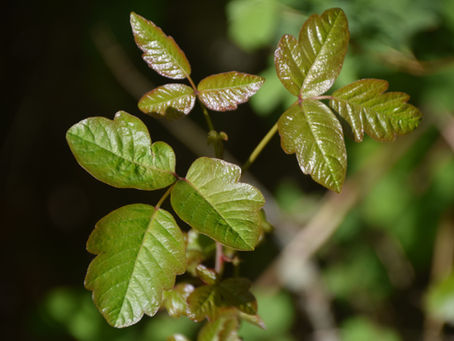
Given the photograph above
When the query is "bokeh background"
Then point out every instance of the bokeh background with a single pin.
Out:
(374, 263)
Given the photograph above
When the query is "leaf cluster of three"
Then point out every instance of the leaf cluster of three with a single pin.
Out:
(140, 249)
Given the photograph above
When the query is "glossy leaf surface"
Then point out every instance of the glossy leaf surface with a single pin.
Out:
(323, 41)
(119, 152)
(139, 252)
(224, 91)
(223, 328)
(175, 300)
(211, 200)
(210, 301)
(170, 101)
(290, 68)
(160, 51)
(313, 132)
(366, 106)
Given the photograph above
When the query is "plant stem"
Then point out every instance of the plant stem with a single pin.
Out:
(192, 83)
(260, 147)
(207, 116)
(219, 263)
(164, 197)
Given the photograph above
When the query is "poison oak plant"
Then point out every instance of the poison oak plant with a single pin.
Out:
(140, 249)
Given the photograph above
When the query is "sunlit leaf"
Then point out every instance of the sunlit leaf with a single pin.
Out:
(206, 275)
(289, 62)
(160, 51)
(175, 300)
(323, 41)
(210, 301)
(440, 299)
(177, 337)
(223, 328)
(170, 101)
(366, 106)
(139, 252)
(224, 91)
(312, 132)
(211, 200)
(119, 152)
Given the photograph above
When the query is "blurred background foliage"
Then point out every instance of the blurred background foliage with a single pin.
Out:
(385, 273)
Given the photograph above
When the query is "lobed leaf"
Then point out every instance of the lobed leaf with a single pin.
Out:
(119, 152)
(223, 328)
(160, 51)
(169, 101)
(211, 200)
(139, 251)
(210, 301)
(366, 106)
(312, 132)
(224, 91)
(308, 67)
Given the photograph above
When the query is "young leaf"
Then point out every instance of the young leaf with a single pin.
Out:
(210, 301)
(313, 132)
(367, 108)
(160, 51)
(224, 91)
(289, 62)
(224, 328)
(170, 101)
(323, 41)
(177, 337)
(211, 200)
(120, 152)
(175, 300)
(139, 252)
(310, 66)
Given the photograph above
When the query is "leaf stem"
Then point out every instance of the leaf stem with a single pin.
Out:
(260, 147)
(164, 197)
(192, 83)
(219, 263)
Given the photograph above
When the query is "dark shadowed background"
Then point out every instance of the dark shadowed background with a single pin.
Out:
(379, 273)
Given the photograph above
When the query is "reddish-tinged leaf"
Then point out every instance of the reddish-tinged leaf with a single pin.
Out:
(223, 328)
(160, 51)
(366, 106)
(170, 101)
(313, 132)
(224, 91)
(175, 300)
(290, 68)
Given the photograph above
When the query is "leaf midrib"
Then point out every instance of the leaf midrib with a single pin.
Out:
(217, 211)
(152, 168)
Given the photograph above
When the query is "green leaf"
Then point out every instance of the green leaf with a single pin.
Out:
(323, 41)
(120, 152)
(440, 299)
(210, 301)
(199, 248)
(310, 66)
(367, 108)
(160, 51)
(175, 300)
(169, 100)
(313, 132)
(206, 275)
(224, 91)
(224, 328)
(178, 337)
(211, 200)
(139, 252)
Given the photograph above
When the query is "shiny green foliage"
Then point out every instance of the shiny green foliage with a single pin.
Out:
(307, 68)
(169, 100)
(211, 200)
(139, 251)
(175, 300)
(224, 328)
(210, 301)
(120, 152)
(312, 132)
(224, 91)
(160, 51)
(365, 106)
